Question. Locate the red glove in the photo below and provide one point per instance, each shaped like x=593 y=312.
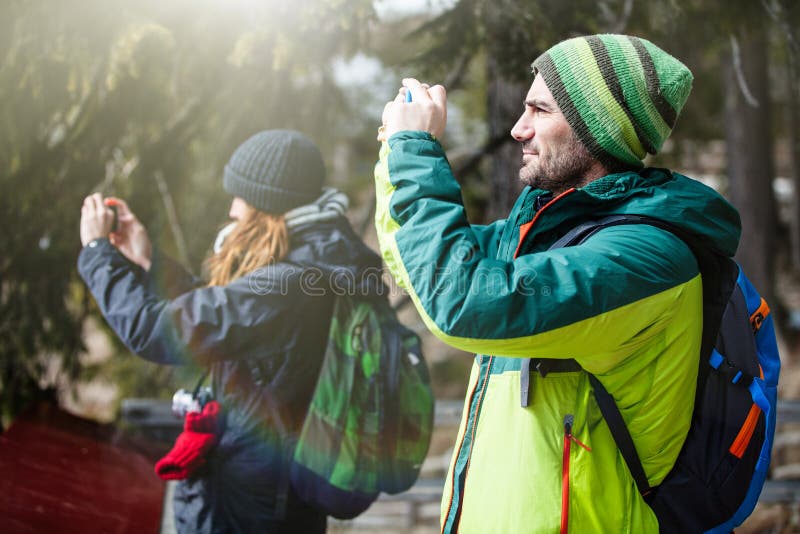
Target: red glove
x=193 y=444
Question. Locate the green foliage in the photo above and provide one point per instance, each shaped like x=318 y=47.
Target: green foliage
x=109 y=95
x=514 y=32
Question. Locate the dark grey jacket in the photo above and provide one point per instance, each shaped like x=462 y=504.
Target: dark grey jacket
x=263 y=336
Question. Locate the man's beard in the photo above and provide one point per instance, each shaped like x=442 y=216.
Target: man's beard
x=559 y=170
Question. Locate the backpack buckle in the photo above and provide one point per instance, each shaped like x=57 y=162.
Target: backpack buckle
x=729 y=369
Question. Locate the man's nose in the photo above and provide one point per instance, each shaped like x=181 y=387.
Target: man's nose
x=522 y=130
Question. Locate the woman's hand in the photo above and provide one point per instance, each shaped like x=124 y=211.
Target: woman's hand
x=131 y=236
x=96 y=219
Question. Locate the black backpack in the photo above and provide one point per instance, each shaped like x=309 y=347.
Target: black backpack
x=717 y=478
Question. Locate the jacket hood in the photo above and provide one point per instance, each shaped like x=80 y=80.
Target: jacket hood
x=324 y=245
x=658 y=193
x=332 y=251
x=683 y=202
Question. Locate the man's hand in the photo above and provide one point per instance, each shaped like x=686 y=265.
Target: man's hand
x=131 y=236
x=427 y=110
x=96 y=219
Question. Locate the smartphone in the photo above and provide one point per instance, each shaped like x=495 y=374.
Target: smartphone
x=113 y=208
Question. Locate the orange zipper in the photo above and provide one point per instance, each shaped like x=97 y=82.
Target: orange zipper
x=568 y=439
x=746 y=432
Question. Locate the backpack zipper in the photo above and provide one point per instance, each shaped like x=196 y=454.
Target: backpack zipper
x=569 y=420
x=746 y=432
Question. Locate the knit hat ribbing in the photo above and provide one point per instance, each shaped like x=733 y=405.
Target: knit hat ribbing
x=275 y=171
x=621 y=95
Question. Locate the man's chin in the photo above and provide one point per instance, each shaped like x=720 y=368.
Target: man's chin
x=527 y=177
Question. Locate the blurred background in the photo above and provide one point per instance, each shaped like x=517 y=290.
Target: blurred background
x=146 y=100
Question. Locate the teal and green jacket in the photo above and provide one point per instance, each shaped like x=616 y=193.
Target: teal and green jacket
x=626 y=304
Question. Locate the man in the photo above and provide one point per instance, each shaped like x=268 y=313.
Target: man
x=626 y=304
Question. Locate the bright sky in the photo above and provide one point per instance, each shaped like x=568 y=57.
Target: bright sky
x=393 y=8
x=361 y=69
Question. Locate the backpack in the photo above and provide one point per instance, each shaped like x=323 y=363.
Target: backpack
x=720 y=471
x=370 y=420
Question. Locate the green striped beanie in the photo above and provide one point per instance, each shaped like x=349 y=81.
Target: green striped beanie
x=621 y=95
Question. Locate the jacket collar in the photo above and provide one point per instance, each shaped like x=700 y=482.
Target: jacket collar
x=658 y=193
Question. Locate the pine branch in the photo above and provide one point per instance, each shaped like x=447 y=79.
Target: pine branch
x=489 y=148
x=172 y=217
x=778 y=15
x=369 y=214
x=622 y=21
x=740 y=78
x=456 y=75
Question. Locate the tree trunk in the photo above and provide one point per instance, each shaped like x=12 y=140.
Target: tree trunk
x=749 y=154
x=793 y=111
x=505 y=100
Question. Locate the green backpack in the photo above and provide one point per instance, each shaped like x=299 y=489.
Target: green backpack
x=369 y=423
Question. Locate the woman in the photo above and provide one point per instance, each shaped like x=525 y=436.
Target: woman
x=260 y=325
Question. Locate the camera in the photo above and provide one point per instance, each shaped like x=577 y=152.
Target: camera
x=184 y=401
x=115 y=223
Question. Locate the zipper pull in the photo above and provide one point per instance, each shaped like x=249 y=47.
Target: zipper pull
x=525 y=383
x=541 y=200
x=569 y=420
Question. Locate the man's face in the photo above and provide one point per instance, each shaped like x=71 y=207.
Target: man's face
x=552 y=156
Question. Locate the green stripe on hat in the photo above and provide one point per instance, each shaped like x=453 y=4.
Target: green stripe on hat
x=605 y=62
x=546 y=67
x=573 y=64
x=634 y=89
x=675 y=79
x=596 y=81
x=653 y=83
x=621 y=95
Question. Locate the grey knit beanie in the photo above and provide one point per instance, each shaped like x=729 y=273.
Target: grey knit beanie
x=275 y=171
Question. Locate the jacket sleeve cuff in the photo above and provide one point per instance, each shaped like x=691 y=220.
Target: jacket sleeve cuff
x=94 y=243
x=101 y=254
x=405 y=135
x=92 y=254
